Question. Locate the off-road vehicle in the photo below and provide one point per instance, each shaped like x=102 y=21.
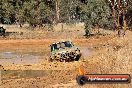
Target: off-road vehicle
x=64 y=51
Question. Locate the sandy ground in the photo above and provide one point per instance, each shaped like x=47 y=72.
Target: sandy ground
x=109 y=55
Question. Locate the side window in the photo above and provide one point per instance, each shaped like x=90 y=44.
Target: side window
x=51 y=48
x=68 y=44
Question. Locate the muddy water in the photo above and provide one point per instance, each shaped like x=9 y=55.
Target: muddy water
x=19 y=58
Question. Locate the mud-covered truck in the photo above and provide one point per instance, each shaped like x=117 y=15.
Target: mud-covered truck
x=64 y=51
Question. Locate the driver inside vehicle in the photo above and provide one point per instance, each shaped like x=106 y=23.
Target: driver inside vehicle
x=62 y=45
x=58 y=46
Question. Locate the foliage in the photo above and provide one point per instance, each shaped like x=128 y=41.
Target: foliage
x=129 y=15
x=7 y=11
x=31 y=11
x=69 y=11
x=39 y=12
x=95 y=12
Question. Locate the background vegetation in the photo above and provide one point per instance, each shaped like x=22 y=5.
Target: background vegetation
x=94 y=13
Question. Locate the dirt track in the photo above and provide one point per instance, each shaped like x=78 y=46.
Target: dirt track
x=110 y=54
x=42 y=45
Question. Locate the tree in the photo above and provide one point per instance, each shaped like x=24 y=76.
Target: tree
x=57 y=8
x=8 y=11
x=95 y=12
x=19 y=12
x=70 y=11
x=121 y=6
x=37 y=12
x=1 y=12
x=129 y=15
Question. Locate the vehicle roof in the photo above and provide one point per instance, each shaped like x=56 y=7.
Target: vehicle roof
x=60 y=42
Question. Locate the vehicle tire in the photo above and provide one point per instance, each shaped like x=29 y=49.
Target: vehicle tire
x=77 y=57
x=61 y=60
x=81 y=80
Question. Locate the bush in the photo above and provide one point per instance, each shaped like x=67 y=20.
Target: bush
x=96 y=12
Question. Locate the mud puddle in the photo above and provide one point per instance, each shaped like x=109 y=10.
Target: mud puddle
x=19 y=58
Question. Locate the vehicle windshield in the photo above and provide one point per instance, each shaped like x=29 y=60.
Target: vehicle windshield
x=61 y=45
x=68 y=44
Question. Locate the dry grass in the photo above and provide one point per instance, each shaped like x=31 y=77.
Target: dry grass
x=115 y=59
x=68 y=31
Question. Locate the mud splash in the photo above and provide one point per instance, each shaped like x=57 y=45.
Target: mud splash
x=86 y=51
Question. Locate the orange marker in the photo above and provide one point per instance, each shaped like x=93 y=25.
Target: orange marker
x=81 y=71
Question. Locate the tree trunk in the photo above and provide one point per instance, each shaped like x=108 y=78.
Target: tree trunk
x=113 y=10
x=125 y=11
x=57 y=2
x=114 y=14
x=125 y=25
x=119 y=14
